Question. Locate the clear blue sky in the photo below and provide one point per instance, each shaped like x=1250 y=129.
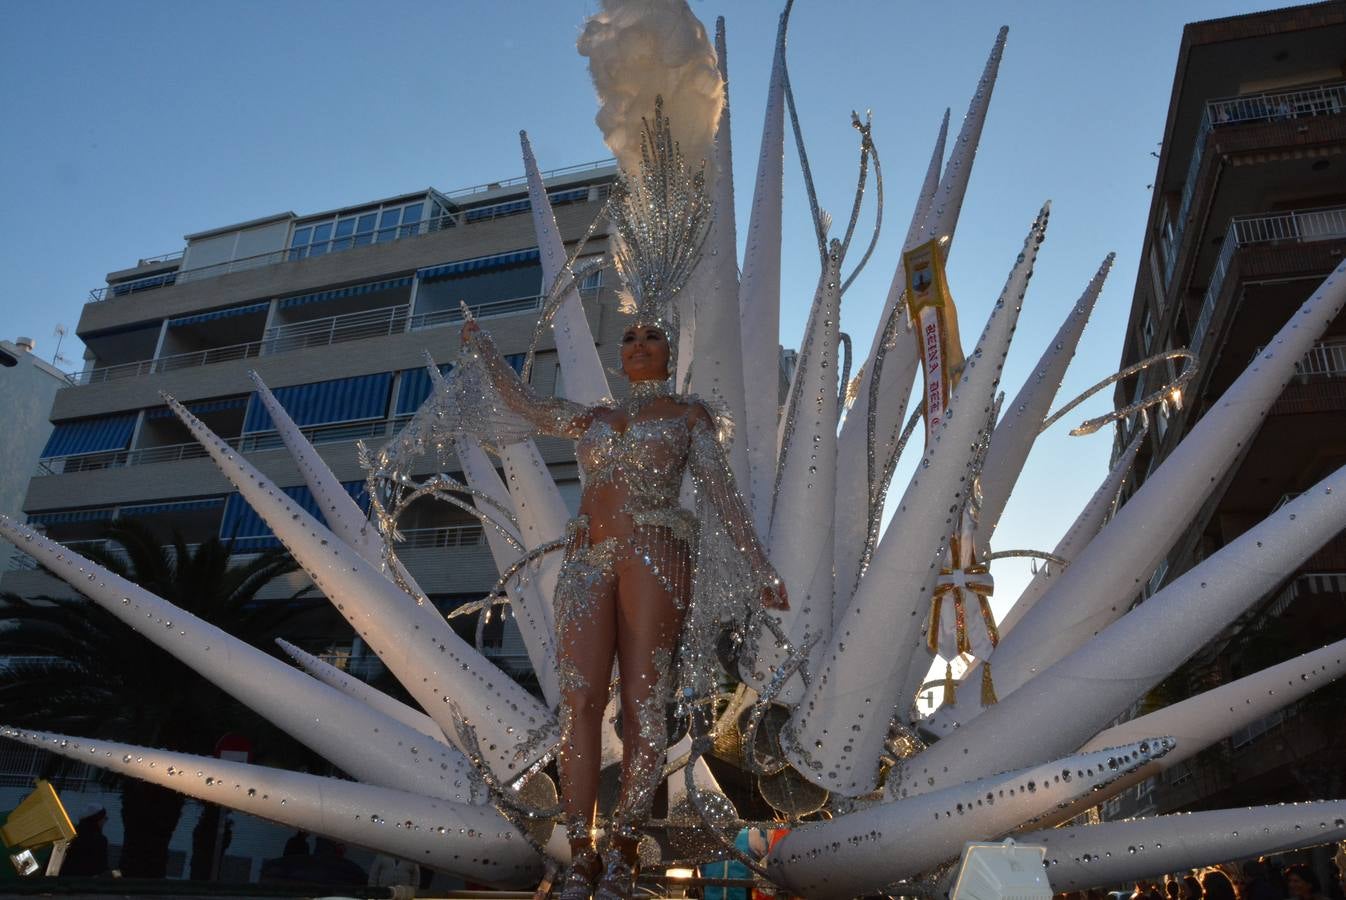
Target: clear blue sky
x=130 y=124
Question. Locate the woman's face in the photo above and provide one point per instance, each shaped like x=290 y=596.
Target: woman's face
x=645 y=353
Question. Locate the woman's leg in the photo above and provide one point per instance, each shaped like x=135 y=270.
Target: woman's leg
x=586 y=625
x=649 y=625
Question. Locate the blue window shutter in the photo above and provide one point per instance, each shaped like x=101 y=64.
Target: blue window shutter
x=201 y=406
x=415 y=388
x=250 y=532
x=325 y=402
x=464 y=266
x=91 y=435
x=353 y=290
x=149 y=509
x=229 y=313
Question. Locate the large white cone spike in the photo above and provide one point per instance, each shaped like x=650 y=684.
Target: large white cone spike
x=1080 y=532
x=942 y=219
x=1111 y=570
x=440 y=670
x=801 y=537
x=1214 y=715
x=835 y=736
x=1087 y=856
x=473 y=841
x=342 y=513
x=1016 y=432
x=531 y=593
x=759 y=301
x=357 y=739
x=851 y=528
x=584 y=381
x=536 y=501
x=1076 y=697
x=359 y=690
x=718 y=347
x=859 y=853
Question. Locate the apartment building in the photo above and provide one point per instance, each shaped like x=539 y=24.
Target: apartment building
x=335 y=310
x=28 y=385
x=1248 y=216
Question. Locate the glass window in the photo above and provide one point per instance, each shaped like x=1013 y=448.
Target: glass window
x=300 y=243
x=364 y=229
x=388 y=224
x=411 y=217
x=344 y=229
x=321 y=235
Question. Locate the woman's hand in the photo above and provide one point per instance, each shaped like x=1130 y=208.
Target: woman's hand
x=774 y=595
x=470 y=328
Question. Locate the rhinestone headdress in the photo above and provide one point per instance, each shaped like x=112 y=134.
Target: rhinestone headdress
x=661 y=216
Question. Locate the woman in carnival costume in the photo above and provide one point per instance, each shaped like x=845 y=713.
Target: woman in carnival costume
x=644 y=581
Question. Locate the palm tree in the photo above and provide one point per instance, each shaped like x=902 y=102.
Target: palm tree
x=83 y=671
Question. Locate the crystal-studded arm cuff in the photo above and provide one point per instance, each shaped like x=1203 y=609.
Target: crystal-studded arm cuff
x=552 y=416
x=715 y=480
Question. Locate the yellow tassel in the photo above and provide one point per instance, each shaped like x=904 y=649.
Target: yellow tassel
x=932 y=629
x=950 y=686
x=988 y=697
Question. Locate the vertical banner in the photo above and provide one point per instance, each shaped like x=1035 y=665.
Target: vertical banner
x=934 y=322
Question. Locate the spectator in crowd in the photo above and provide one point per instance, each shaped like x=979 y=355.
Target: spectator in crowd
x=1303 y=884
x=87 y=854
x=389 y=871
x=1258 y=884
x=297 y=845
x=1191 y=888
x=1217 y=886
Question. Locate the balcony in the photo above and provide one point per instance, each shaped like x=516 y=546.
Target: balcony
x=1302 y=226
x=456 y=218
x=470 y=535
x=313 y=333
x=1325 y=100
x=248 y=443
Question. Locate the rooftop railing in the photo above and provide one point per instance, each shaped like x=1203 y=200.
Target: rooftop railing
x=1324 y=100
x=523 y=179
x=345 y=242
x=1300 y=226
x=313 y=333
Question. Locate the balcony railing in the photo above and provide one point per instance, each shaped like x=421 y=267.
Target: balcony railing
x=248 y=443
x=1326 y=100
x=447 y=536
x=346 y=242
x=314 y=333
x=1301 y=226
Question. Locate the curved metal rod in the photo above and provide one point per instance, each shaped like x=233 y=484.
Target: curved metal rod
x=1028 y=554
x=878 y=199
x=498 y=590
x=1171 y=392
x=846 y=360
x=886 y=343
x=559 y=290
x=820 y=230
x=885 y=479
x=508 y=802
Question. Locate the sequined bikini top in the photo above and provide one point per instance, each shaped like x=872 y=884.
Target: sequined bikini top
x=648 y=458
